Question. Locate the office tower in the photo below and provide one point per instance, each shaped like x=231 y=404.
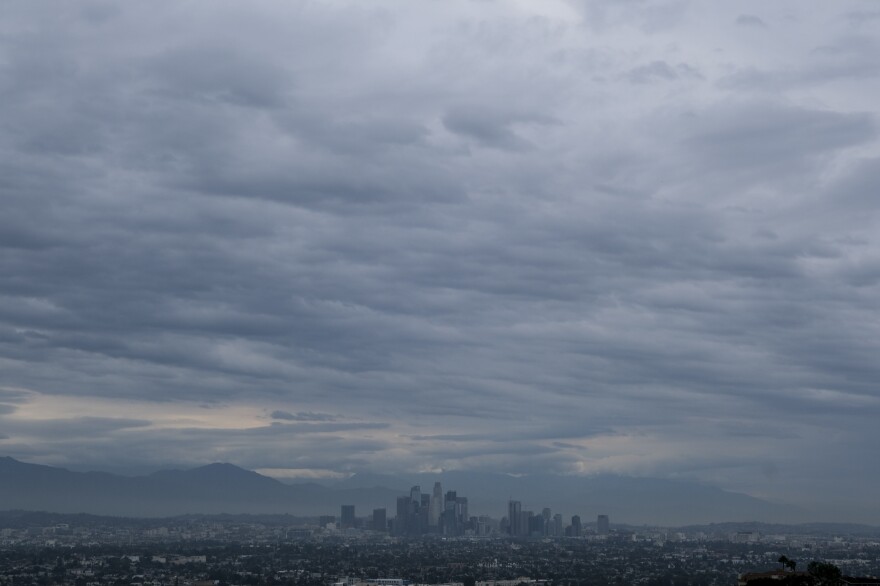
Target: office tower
x=576 y=529
x=448 y=519
x=536 y=525
x=547 y=516
x=557 y=525
x=436 y=506
x=413 y=527
x=380 y=523
x=325 y=520
x=424 y=514
x=513 y=517
x=347 y=517
x=483 y=526
x=401 y=521
x=525 y=523
x=603 y=526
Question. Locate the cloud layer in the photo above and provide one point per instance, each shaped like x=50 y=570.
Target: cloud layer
x=569 y=238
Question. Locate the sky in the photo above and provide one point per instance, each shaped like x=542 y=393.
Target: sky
x=557 y=237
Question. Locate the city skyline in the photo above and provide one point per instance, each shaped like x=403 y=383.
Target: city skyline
x=413 y=520
x=223 y=488
x=545 y=240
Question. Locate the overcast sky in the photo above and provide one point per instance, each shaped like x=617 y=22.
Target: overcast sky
x=526 y=237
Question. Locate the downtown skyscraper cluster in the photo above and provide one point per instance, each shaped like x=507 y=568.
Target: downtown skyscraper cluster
x=420 y=514
x=520 y=523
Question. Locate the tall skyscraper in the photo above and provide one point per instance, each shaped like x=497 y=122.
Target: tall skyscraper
x=525 y=523
x=380 y=523
x=436 y=506
x=514 y=508
x=603 y=525
x=347 y=517
x=576 y=528
x=536 y=525
x=417 y=511
x=401 y=521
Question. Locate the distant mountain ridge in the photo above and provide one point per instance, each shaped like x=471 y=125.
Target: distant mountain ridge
x=626 y=499
x=211 y=489
x=225 y=488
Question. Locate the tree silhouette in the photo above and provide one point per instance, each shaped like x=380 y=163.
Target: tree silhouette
x=784 y=561
x=826 y=574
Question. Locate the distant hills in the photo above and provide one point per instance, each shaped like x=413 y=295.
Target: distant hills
x=637 y=500
x=225 y=488
x=212 y=489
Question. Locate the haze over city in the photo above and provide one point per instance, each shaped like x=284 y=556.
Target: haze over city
x=528 y=239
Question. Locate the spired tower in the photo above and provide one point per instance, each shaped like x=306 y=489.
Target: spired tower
x=436 y=506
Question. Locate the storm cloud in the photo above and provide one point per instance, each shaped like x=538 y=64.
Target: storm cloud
x=573 y=238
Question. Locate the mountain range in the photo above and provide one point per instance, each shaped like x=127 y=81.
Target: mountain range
x=212 y=489
x=225 y=488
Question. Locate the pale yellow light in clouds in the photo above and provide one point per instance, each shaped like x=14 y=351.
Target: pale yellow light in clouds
x=36 y=406
x=301 y=473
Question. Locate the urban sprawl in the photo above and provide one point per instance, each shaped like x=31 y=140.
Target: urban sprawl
x=430 y=540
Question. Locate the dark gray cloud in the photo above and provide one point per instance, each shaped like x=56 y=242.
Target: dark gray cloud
x=750 y=20
x=301 y=416
x=569 y=238
x=492 y=127
x=71 y=428
x=662 y=71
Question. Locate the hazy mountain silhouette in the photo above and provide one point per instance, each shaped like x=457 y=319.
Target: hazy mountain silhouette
x=225 y=488
x=629 y=499
x=212 y=489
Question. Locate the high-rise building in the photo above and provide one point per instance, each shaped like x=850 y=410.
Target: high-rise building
x=380 y=523
x=415 y=513
x=449 y=523
x=514 y=508
x=603 y=525
x=347 y=517
x=536 y=525
x=576 y=528
x=557 y=525
x=525 y=523
x=436 y=505
x=401 y=521
x=325 y=520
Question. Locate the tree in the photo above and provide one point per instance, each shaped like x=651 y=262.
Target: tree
x=792 y=564
x=784 y=561
x=827 y=574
